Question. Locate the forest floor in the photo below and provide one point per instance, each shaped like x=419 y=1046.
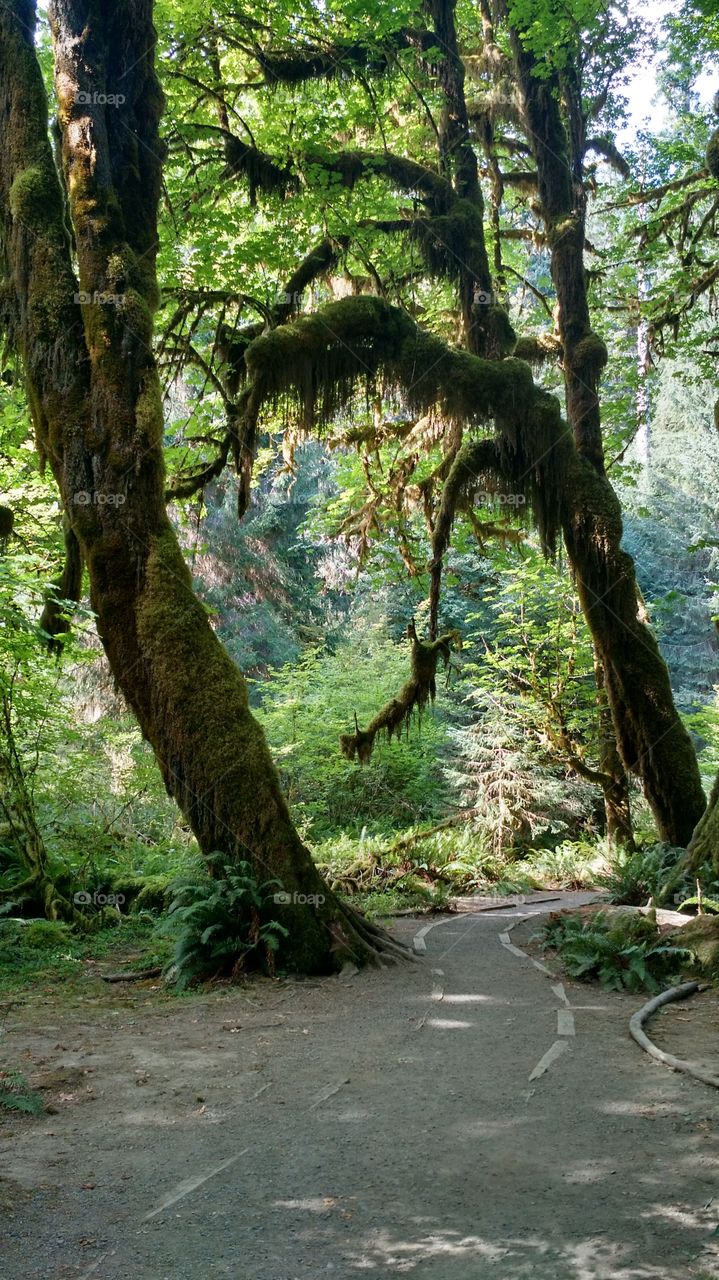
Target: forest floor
x=465 y=1116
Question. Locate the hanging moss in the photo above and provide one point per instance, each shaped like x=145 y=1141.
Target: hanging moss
x=321 y=361
x=66 y=589
x=503 y=339
x=537 y=350
x=450 y=242
x=262 y=172
x=420 y=689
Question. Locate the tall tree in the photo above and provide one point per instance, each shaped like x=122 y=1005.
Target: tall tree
x=548 y=119
x=85 y=345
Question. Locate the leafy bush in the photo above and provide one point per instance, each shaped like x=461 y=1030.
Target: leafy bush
x=45 y=935
x=572 y=865
x=218 y=926
x=622 y=951
x=634 y=878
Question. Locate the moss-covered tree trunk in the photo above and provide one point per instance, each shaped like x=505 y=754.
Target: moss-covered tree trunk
x=650 y=736
x=86 y=348
x=703 y=850
x=20 y=834
x=617 y=806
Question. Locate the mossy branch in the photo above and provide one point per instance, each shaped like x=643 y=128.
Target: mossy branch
x=345 y=58
x=607 y=148
x=262 y=172
x=420 y=689
x=321 y=361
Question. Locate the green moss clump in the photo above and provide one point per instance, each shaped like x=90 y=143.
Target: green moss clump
x=144 y=893
x=45 y=935
x=537 y=350
x=148 y=410
x=35 y=197
x=504 y=339
x=591 y=352
x=136 y=314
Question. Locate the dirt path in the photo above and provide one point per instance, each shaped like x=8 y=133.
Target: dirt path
x=380 y=1125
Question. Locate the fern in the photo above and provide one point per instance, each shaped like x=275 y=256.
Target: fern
x=218 y=924
x=17 y=1095
x=633 y=878
x=706 y=904
x=623 y=954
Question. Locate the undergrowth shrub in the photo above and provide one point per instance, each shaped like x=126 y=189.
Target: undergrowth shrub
x=220 y=924
x=621 y=951
x=17 y=1095
x=633 y=878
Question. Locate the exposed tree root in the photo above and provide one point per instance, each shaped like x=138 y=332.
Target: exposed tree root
x=377 y=947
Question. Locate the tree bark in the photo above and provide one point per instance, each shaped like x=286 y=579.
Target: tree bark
x=650 y=736
x=96 y=402
x=37 y=892
x=703 y=847
x=617 y=806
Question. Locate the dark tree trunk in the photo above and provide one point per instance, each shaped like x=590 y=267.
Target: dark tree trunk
x=703 y=848
x=617 y=807
x=96 y=402
x=19 y=831
x=652 y=740
x=650 y=736
x=459 y=165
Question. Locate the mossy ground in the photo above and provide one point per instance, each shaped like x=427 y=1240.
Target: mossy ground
x=69 y=967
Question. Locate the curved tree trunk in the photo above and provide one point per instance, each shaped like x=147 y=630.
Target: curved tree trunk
x=652 y=740
x=96 y=402
x=19 y=831
x=650 y=736
x=704 y=845
x=703 y=850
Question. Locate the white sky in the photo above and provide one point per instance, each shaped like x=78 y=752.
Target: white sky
x=645 y=110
